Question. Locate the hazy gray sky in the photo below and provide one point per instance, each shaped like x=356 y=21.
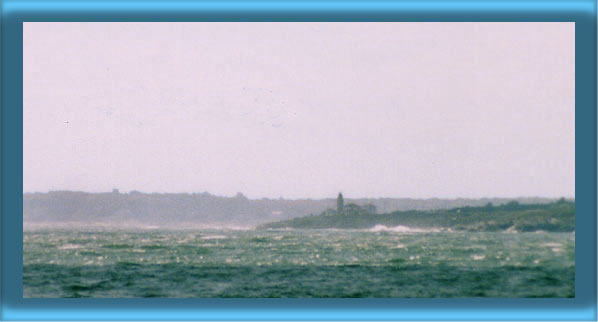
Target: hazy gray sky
x=301 y=109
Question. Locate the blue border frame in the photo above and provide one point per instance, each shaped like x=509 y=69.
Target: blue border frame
x=14 y=307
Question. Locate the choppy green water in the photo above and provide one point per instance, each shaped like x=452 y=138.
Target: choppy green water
x=296 y=263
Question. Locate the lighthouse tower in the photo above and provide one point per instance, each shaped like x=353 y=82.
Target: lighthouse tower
x=340 y=204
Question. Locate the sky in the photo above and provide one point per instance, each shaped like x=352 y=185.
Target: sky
x=301 y=110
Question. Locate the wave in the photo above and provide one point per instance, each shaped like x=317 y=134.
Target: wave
x=27 y=226
x=70 y=246
x=221 y=227
x=377 y=228
x=402 y=229
x=552 y=245
x=88 y=226
x=213 y=237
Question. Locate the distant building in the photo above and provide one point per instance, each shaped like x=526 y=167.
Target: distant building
x=340 y=204
x=115 y=190
x=354 y=210
x=349 y=209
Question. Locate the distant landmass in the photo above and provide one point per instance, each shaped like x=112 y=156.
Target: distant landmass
x=513 y=216
x=180 y=209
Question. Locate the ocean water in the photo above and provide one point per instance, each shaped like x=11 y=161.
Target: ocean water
x=378 y=262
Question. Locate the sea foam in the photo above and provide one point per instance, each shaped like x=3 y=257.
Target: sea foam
x=402 y=229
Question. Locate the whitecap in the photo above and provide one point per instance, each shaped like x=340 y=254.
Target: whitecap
x=511 y=230
x=552 y=245
x=213 y=237
x=402 y=229
x=217 y=227
x=70 y=246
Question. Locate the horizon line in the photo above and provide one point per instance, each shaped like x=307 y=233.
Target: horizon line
x=242 y=195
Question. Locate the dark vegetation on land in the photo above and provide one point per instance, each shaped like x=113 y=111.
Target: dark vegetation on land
x=176 y=209
x=554 y=217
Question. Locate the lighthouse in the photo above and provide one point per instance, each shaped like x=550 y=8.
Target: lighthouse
x=339 y=204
